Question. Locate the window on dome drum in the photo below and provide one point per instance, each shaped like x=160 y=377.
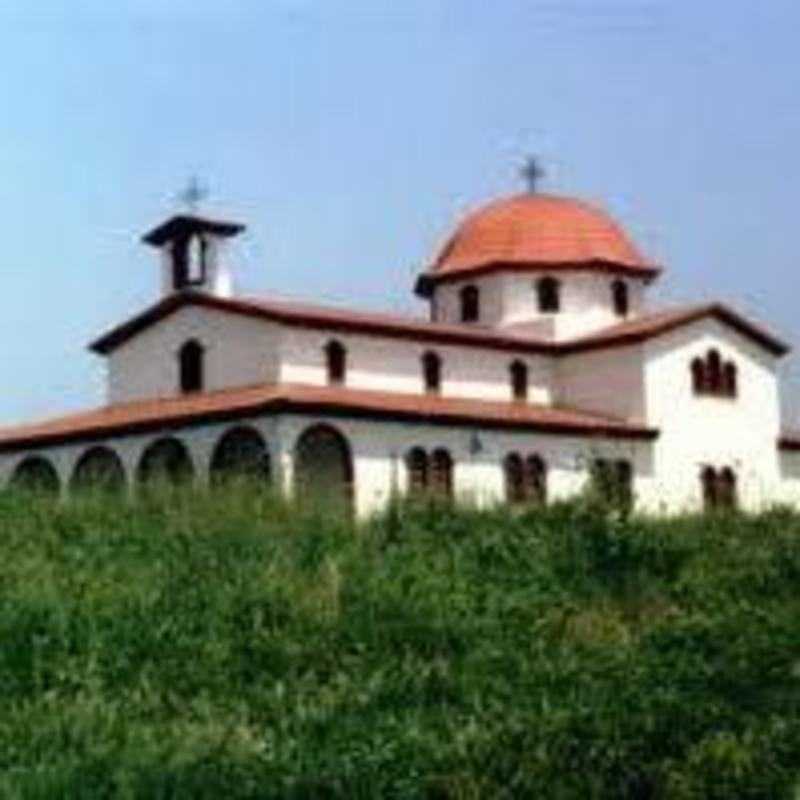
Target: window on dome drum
x=619 y=294
x=336 y=358
x=191 y=367
x=470 y=304
x=718 y=489
x=613 y=480
x=548 y=292
x=710 y=376
x=519 y=380
x=432 y=372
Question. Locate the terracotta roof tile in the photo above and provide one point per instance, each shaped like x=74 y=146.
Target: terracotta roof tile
x=164 y=413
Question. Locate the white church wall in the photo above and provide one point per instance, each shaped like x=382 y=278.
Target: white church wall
x=238 y=351
x=740 y=432
x=395 y=365
x=605 y=381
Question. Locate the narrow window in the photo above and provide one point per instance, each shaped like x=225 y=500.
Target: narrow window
x=548 y=293
x=519 y=380
x=708 y=485
x=432 y=372
x=619 y=294
x=536 y=480
x=441 y=481
x=180 y=263
x=196 y=268
x=698 y=376
x=336 y=357
x=729 y=380
x=726 y=489
x=714 y=372
x=624 y=484
x=191 y=367
x=470 y=304
x=417 y=466
x=515 y=479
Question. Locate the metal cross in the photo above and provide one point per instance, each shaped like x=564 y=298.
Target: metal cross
x=193 y=194
x=532 y=172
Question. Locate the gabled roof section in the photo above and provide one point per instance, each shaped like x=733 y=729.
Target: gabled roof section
x=165 y=413
x=649 y=326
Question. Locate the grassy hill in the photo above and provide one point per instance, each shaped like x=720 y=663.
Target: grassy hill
x=224 y=646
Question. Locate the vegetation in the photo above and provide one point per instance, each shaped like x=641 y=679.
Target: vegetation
x=223 y=645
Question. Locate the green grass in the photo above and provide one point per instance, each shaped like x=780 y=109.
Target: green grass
x=223 y=645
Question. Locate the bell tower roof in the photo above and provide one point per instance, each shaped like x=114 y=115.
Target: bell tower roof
x=183 y=226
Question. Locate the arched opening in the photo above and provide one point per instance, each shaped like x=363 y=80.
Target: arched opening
x=241 y=455
x=191 y=366
x=432 y=372
x=708 y=486
x=536 y=480
x=417 y=467
x=729 y=380
x=726 y=489
x=336 y=358
x=323 y=468
x=519 y=380
x=624 y=484
x=98 y=469
x=698 y=376
x=37 y=475
x=714 y=372
x=165 y=462
x=441 y=482
x=614 y=482
x=548 y=292
x=470 y=304
x=515 y=479
x=619 y=295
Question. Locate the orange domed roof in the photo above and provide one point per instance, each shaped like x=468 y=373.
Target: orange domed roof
x=538 y=231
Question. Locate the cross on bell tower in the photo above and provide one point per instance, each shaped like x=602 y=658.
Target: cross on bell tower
x=194 y=193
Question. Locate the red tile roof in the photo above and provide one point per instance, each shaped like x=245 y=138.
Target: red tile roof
x=542 y=231
x=164 y=413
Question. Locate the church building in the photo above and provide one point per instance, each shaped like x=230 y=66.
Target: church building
x=540 y=364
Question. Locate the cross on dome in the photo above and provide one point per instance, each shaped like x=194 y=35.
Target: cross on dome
x=532 y=171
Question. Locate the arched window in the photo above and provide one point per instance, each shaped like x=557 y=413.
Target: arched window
x=417 y=466
x=726 y=489
x=619 y=295
x=614 y=482
x=336 y=358
x=624 y=484
x=191 y=366
x=240 y=455
x=99 y=469
x=441 y=476
x=713 y=372
x=470 y=304
x=323 y=469
x=432 y=372
x=708 y=485
x=698 y=376
x=35 y=474
x=515 y=478
x=536 y=480
x=729 y=380
x=519 y=380
x=548 y=292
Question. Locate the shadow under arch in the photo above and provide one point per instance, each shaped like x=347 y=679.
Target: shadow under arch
x=35 y=474
x=323 y=468
x=100 y=469
x=241 y=454
x=166 y=461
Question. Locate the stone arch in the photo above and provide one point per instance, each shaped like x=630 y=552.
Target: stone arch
x=167 y=461
x=323 y=467
x=35 y=474
x=240 y=454
x=99 y=468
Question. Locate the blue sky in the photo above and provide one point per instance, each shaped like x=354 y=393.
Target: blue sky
x=350 y=137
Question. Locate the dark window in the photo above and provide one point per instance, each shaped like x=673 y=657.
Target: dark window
x=536 y=480
x=714 y=372
x=710 y=376
x=189 y=260
x=519 y=380
x=726 y=489
x=515 y=479
x=614 y=482
x=241 y=455
x=708 y=481
x=729 y=387
x=619 y=293
x=548 y=293
x=336 y=357
x=417 y=465
x=432 y=372
x=323 y=470
x=698 y=376
x=191 y=367
x=470 y=304
x=441 y=476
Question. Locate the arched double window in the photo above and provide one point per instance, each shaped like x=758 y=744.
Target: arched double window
x=432 y=372
x=519 y=380
x=710 y=376
x=526 y=479
x=430 y=474
x=336 y=362
x=718 y=487
x=614 y=482
x=470 y=303
x=619 y=297
x=548 y=294
x=191 y=366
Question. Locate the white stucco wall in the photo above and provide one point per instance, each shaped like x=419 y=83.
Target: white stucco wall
x=740 y=432
x=238 y=351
